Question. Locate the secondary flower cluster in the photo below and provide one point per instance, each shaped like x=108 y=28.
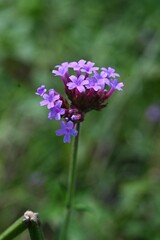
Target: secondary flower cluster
x=87 y=88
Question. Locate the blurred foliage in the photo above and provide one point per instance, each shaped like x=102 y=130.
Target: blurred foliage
x=117 y=192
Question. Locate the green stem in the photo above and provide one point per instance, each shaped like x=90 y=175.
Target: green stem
x=71 y=186
x=35 y=230
x=14 y=230
x=29 y=221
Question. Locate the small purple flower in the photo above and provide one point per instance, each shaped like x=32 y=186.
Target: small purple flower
x=78 y=83
x=56 y=111
x=41 y=90
x=93 y=83
x=98 y=81
x=49 y=99
x=77 y=65
x=67 y=129
x=116 y=85
x=62 y=69
x=76 y=117
x=110 y=72
x=88 y=67
x=101 y=79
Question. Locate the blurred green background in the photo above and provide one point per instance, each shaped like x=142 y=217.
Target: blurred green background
x=118 y=183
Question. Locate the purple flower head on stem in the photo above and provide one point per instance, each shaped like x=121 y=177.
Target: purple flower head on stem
x=110 y=72
x=78 y=83
x=67 y=129
x=49 y=99
x=41 y=90
x=87 y=89
x=62 y=69
x=56 y=111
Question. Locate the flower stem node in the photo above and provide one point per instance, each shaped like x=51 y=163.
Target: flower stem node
x=30 y=216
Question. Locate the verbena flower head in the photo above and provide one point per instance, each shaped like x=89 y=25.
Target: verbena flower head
x=87 y=88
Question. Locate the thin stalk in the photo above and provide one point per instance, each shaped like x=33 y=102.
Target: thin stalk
x=71 y=186
x=14 y=230
x=35 y=230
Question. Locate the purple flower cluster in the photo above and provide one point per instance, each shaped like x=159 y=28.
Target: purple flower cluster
x=87 y=89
